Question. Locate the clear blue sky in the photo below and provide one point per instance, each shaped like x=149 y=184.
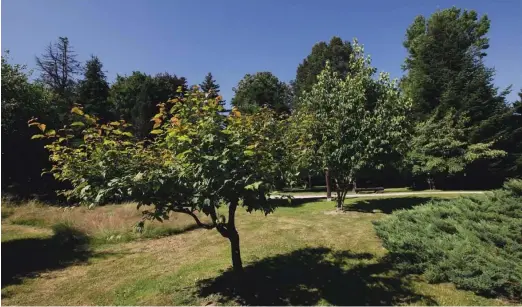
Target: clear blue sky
x=233 y=37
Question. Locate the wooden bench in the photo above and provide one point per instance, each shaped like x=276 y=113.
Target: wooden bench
x=375 y=190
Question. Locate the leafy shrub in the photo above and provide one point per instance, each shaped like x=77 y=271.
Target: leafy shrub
x=474 y=242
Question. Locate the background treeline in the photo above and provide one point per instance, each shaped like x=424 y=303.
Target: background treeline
x=457 y=110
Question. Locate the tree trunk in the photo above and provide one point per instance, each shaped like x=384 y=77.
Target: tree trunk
x=237 y=264
x=233 y=236
x=328 y=189
x=310 y=182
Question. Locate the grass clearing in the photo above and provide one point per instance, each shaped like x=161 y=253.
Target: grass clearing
x=302 y=255
x=321 y=190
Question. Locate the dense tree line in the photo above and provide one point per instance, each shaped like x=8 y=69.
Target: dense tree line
x=63 y=83
x=463 y=129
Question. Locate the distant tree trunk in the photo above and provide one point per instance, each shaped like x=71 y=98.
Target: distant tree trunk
x=310 y=182
x=328 y=189
x=354 y=186
x=233 y=236
x=339 y=200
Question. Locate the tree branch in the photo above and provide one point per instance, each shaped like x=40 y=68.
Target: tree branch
x=223 y=230
x=195 y=217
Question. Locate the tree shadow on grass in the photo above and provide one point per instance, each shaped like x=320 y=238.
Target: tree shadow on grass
x=306 y=276
x=386 y=205
x=27 y=257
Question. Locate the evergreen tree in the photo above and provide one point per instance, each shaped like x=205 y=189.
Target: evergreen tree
x=445 y=67
x=446 y=74
x=210 y=86
x=93 y=90
x=135 y=97
x=337 y=53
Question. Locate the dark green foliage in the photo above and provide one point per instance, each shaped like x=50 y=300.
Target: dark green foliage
x=474 y=242
x=445 y=64
x=260 y=89
x=23 y=159
x=134 y=98
x=507 y=129
x=446 y=74
x=93 y=90
x=336 y=52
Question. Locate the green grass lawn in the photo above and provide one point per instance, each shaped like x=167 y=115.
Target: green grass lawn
x=321 y=190
x=303 y=254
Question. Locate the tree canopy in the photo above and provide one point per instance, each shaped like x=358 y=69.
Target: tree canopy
x=447 y=79
x=134 y=98
x=350 y=131
x=262 y=89
x=336 y=52
x=198 y=161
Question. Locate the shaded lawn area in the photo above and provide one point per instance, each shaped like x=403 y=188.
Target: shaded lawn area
x=300 y=255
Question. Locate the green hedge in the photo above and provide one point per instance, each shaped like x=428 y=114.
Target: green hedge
x=474 y=242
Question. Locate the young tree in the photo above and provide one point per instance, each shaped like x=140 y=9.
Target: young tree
x=59 y=67
x=93 y=91
x=336 y=52
x=198 y=162
x=352 y=128
x=262 y=89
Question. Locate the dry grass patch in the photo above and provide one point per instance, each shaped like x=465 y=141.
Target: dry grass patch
x=104 y=224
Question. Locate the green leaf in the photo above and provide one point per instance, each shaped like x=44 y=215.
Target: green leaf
x=183 y=138
x=51 y=132
x=253 y=186
x=37 y=136
x=156 y=131
x=114 y=123
x=127 y=134
x=77 y=110
x=77 y=124
x=248 y=153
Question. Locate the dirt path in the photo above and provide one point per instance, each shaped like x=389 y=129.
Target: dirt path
x=311 y=196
